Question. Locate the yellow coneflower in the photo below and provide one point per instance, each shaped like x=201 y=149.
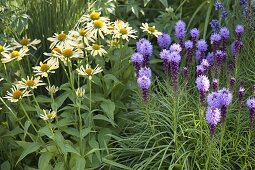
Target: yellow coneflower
x=14 y=55
x=98 y=28
x=5 y=48
x=91 y=17
x=69 y=53
x=45 y=68
x=61 y=40
x=30 y=83
x=48 y=114
x=88 y=71
x=150 y=29
x=16 y=94
x=25 y=43
x=123 y=31
x=82 y=37
x=96 y=49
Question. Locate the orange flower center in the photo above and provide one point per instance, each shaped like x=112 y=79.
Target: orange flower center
x=123 y=31
x=45 y=67
x=96 y=46
x=17 y=94
x=1 y=48
x=24 y=42
x=89 y=71
x=30 y=83
x=151 y=29
x=82 y=32
x=94 y=16
x=56 y=50
x=67 y=52
x=61 y=37
x=14 y=54
x=98 y=24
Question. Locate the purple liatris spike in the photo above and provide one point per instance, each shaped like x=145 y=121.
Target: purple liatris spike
x=224 y=14
x=251 y=106
x=210 y=58
x=200 y=70
x=137 y=59
x=215 y=25
x=185 y=72
x=165 y=56
x=239 y=31
x=164 y=41
x=180 y=31
x=145 y=48
x=198 y=56
x=189 y=49
x=218 y=5
x=194 y=33
x=202 y=47
x=224 y=33
x=213 y=118
x=145 y=71
x=241 y=95
x=215 y=41
x=236 y=47
x=205 y=64
x=220 y=57
x=174 y=60
x=215 y=85
x=203 y=85
x=213 y=100
x=232 y=83
x=225 y=99
x=144 y=83
x=175 y=48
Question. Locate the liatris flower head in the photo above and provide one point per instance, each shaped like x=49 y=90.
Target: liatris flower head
x=203 y=85
x=251 y=106
x=226 y=96
x=243 y=2
x=144 y=47
x=215 y=38
x=199 y=57
x=137 y=59
x=213 y=100
x=144 y=83
x=220 y=57
x=224 y=14
x=239 y=29
x=164 y=41
x=232 y=82
x=210 y=58
x=218 y=6
x=241 y=95
x=215 y=25
x=145 y=71
x=205 y=64
x=180 y=29
x=202 y=45
x=188 y=44
x=175 y=48
x=213 y=118
x=194 y=33
x=215 y=85
x=224 y=32
x=189 y=47
x=165 y=56
x=200 y=70
x=236 y=47
x=174 y=61
x=175 y=57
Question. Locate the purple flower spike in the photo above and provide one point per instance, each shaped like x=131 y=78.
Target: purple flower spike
x=185 y=73
x=164 y=41
x=137 y=59
x=251 y=106
x=194 y=33
x=232 y=83
x=218 y=6
x=175 y=48
x=145 y=71
x=200 y=70
x=224 y=14
x=210 y=58
x=215 y=25
x=243 y=2
x=213 y=100
x=203 y=85
x=215 y=41
x=241 y=95
x=189 y=49
x=224 y=33
x=215 y=85
x=144 y=83
x=220 y=57
x=202 y=45
x=213 y=118
x=180 y=31
x=205 y=64
x=239 y=31
x=165 y=56
x=145 y=48
x=174 y=60
x=225 y=99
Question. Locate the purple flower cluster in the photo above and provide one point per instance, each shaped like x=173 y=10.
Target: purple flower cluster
x=224 y=33
x=189 y=49
x=220 y=7
x=164 y=41
x=203 y=85
x=145 y=48
x=215 y=25
x=213 y=118
x=180 y=31
x=144 y=83
x=251 y=106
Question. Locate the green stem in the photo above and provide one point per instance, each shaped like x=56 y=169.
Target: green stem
x=80 y=126
x=25 y=112
x=221 y=138
x=248 y=146
x=51 y=94
x=90 y=104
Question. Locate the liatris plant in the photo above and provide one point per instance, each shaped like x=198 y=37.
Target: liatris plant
x=210 y=58
x=241 y=95
x=205 y=64
x=180 y=31
x=145 y=48
x=185 y=72
x=165 y=55
x=144 y=83
x=189 y=49
x=213 y=100
x=145 y=71
x=232 y=83
x=202 y=47
x=213 y=118
x=175 y=48
x=238 y=43
x=215 y=25
x=251 y=106
x=194 y=33
x=137 y=59
x=200 y=70
x=215 y=41
x=174 y=61
x=224 y=33
x=225 y=100
x=203 y=85
x=164 y=41
x=215 y=85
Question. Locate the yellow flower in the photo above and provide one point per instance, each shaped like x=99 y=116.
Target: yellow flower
x=45 y=68
x=91 y=17
x=14 y=55
x=98 y=28
x=25 y=43
x=82 y=37
x=88 y=71
x=61 y=40
x=48 y=114
x=96 y=49
x=123 y=31
x=69 y=53
x=150 y=29
x=30 y=82
x=16 y=94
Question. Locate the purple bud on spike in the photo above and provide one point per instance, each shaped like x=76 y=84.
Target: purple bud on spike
x=241 y=95
x=232 y=83
x=213 y=118
x=215 y=85
x=251 y=106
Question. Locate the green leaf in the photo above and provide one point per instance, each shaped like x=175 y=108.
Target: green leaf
x=14 y=132
x=165 y=3
x=46 y=131
x=59 y=166
x=44 y=161
x=60 y=100
x=79 y=164
x=70 y=149
x=112 y=163
x=103 y=117
x=6 y=165
x=43 y=99
x=72 y=131
x=86 y=131
x=27 y=124
x=30 y=149
x=108 y=107
x=146 y=2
